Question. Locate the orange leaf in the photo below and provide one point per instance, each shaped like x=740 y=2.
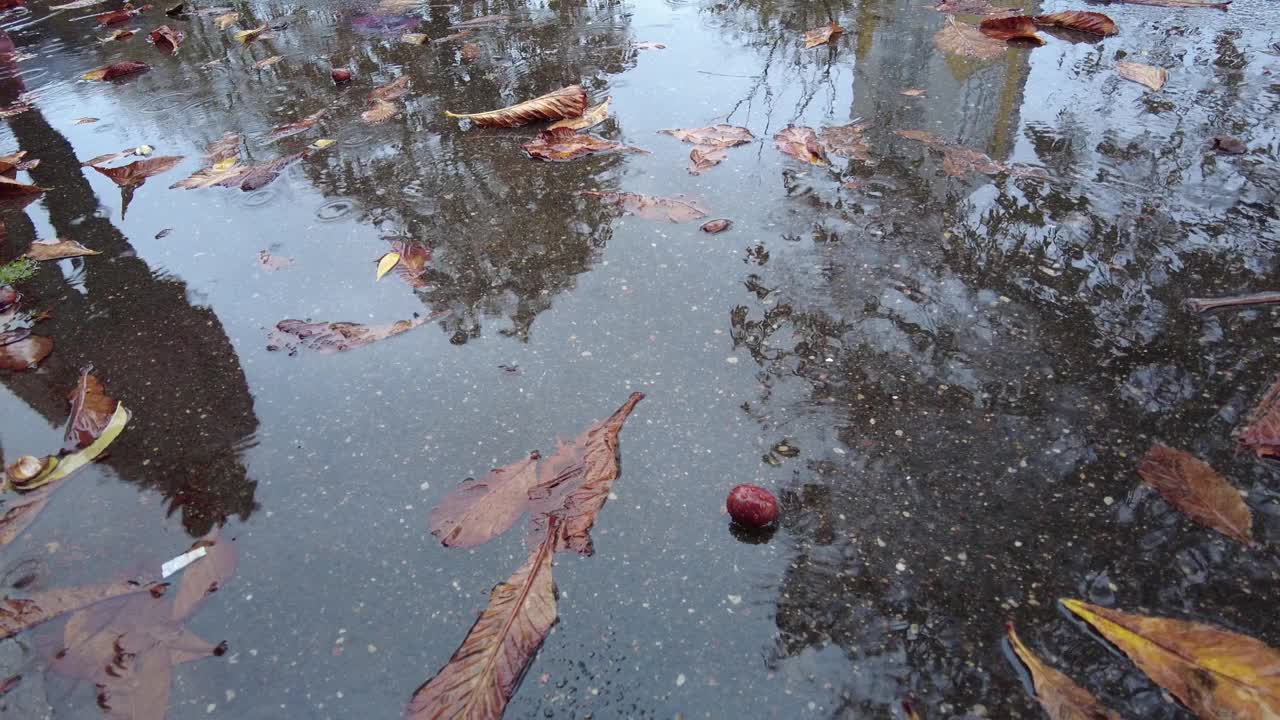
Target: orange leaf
x=379 y=112
x=705 y=157
x=821 y=36
x=135 y=173
x=559 y=104
x=1197 y=491
x=91 y=410
x=1019 y=27
x=392 y=90
x=1062 y=699
x=1089 y=22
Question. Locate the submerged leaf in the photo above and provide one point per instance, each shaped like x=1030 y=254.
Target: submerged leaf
x=712 y=227
x=563 y=144
x=379 y=112
x=226 y=20
x=1061 y=698
x=1214 y=672
x=1198 y=491
x=845 y=141
x=271 y=263
x=25 y=354
x=328 y=338
x=91 y=411
x=166 y=39
x=589 y=119
x=722 y=135
x=228 y=146
x=566 y=102
x=120 y=69
x=801 y=143
x=479 y=510
x=703 y=158
x=821 y=36
x=280 y=132
x=12 y=188
x=57 y=250
x=964 y=40
x=1089 y=22
x=392 y=90
x=650 y=207
x=1019 y=27
x=1262 y=434
x=136 y=173
x=1149 y=75
x=17 y=615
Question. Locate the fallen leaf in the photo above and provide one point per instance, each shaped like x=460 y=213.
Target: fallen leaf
x=821 y=36
x=340 y=75
x=271 y=263
x=477 y=511
x=265 y=63
x=801 y=143
x=1094 y=23
x=652 y=208
x=177 y=10
x=575 y=481
x=85 y=120
x=1149 y=75
x=109 y=157
x=379 y=112
x=1262 y=434
x=469 y=52
x=78 y=4
x=1186 y=4
x=57 y=250
x=1206 y=304
x=91 y=411
x=386 y=263
x=589 y=119
x=120 y=69
x=1061 y=698
x=248 y=36
x=964 y=40
x=17 y=615
x=225 y=147
x=166 y=39
x=11 y=163
x=1215 y=673
x=1227 y=144
x=329 y=338
x=163 y=233
x=392 y=90
x=321 y=143
x=648 y=45
x=566 y=102
x=227 y=20
x=1197 y=491
x=960 y=161
x=414 y=257
x=487 y=668
x=913 y=92
x=721 y=135
x=910 y=712
x=703 y=158
x=971 y=7
x=414 y=39
x=228 y=173
x=25 y=354
x=118 y=36
x=12 y=681
x=1019 y=27
x=716 y=226
x=137 y=172
x=845 y=141
x=564 y=144
x=124 y=14
x=280 y=132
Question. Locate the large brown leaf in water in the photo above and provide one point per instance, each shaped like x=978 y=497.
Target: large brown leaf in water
x=821 y=36
x=26 y=353
x=486 y=669
x=569 y=102
x=671 y=209
x=1197 y=491
x=562 y=144
x=18 y=614
x=720 y=135
x=574 y=482
x=327 y=338
x=1061 y=698
x=1262 y=434
x=1217 y=674
x=57 y=250
x=1019 y=27
x=1094 y=23
x=480 y=510
x=91 y=410
x=137 y=172
x=965 y=40
x=801 y=143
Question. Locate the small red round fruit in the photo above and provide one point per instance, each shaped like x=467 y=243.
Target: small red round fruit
x=752 y=506
x=340 y=75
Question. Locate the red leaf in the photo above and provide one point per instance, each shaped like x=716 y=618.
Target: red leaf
x=283 y=131
x=1262 y=435
x=166 y=39
x=1019 y=27
x=25 y=354
x=91 y=410
x=124 y=14
x=480 y=510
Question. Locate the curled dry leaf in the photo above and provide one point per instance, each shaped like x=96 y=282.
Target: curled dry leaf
x=329 y=338
x=716 y=226
x=1019 y=27
x=1214 y=672
x=1197 y=491
x=563 y=144
x=226 y=20
x=964 y=40
x=589 y=119
x=703 y=158
x=479 y=510
x=379 y=112
x=17 y=615
x=1061 y=698
x=166 y=39
x=486 y=669
x=1094 y=23
x=1262 y=434
x=845 y=141
x=124 y=14
x=913 y=92
x=91 y=411
x=1149 y=75
x=25 y=354
x=721 y=135
x=801 y=143
x=117 y=70
x=57 y=250
x=340 y=75
x=821 y=36
x=137 y=172
x=650 y=207
x=566 y=102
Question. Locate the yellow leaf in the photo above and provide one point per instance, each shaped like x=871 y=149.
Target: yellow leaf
x=322 y=143
x=1217 y=674
x=143 y=150
x=388 y=261
x=248 y=36
x=1062 y=699
x=226 y=164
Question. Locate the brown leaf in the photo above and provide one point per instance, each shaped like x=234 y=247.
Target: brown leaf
x=227 y=20
x=166 y=39
x=118 y=36
x=20 y=512
x=414 y=257
x=109 y=157
x=960 y=161
x=86 y=120
x=137 y=172
x=845 y=141
x=469 y=52
x=725 y=136
x=574 y=482
x=716 y=226
x=1262 y=435
x=913 y=92
x=219 y=173
x=971 y=7
x=1061 y=698
x=479 y=510
x=91 y=410
x=964 y=40
x=228 y=146
x=265 y=63
x=821 y=36
x=379 y=112
x=392 y=90
x=205 y=577
x=124 y=14
x=25 y=354
x=120 y=69
x=673 y=210
x=801 y=143
x=271 y=263
x=17 y=615
x=280 y=132
x=1200 y=305
x=1197 y=491
x=486 y=669
x=257 y=176
x=703 y=158
x=1089 y=22
x=563 y=144
x=1217 y=674
x=1182 y=3
x=57 y=250
x=1019 y=27
x=566 y=102
x=648 y=45
x=9 y=163
x=12 y=188
x=1149 y=75
x=589 y=119
x=328 y=338
x=1227 y=144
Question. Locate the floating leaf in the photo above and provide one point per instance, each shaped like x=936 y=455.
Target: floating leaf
x=653 y=208
x=118 y=36
x=379 y=112
x=1019 y=27
x=1197 y=491
x=271 y=263
x=1149 y=75
x=589 y=119
x=9 y=163
x=228 y=146
x=716 y=226
x=964 y=40
x=845 y=141
x=91 y=411
x=801 y=143
x=1262 y=435
x=721 y=135
x=971 y=7
x=124 y=14
x=392 y=90
x=227 y=20
x=414 y=257
x=469 y=53
x=566 y=102
x=821 y=36
x=120 y=69
x=479 y=510
x=12 y=188
x=1061 y=698
x=1214 y=672
x=265 y=63
x=1228 y=145
x=78 y=4
x=221 y=172
x=280 y=132
x=25 y=354
x=17 y=615
x=913 y=92
x=328 y=338
x=486 y=669
x=386 y=263
x=248 y=36
x=227 y=173
x=564 y=144
x=166 y=39
x=109 y=157
x=57 y=250
x=702 y=158
x=321 y=143
x=1185 y=4
x=1094 y=23
x=137 y=172
x=85 y=120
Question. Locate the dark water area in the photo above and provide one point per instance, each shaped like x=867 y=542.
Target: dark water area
x=970 y=366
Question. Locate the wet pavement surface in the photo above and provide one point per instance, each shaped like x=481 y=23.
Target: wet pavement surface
x=969 y=365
